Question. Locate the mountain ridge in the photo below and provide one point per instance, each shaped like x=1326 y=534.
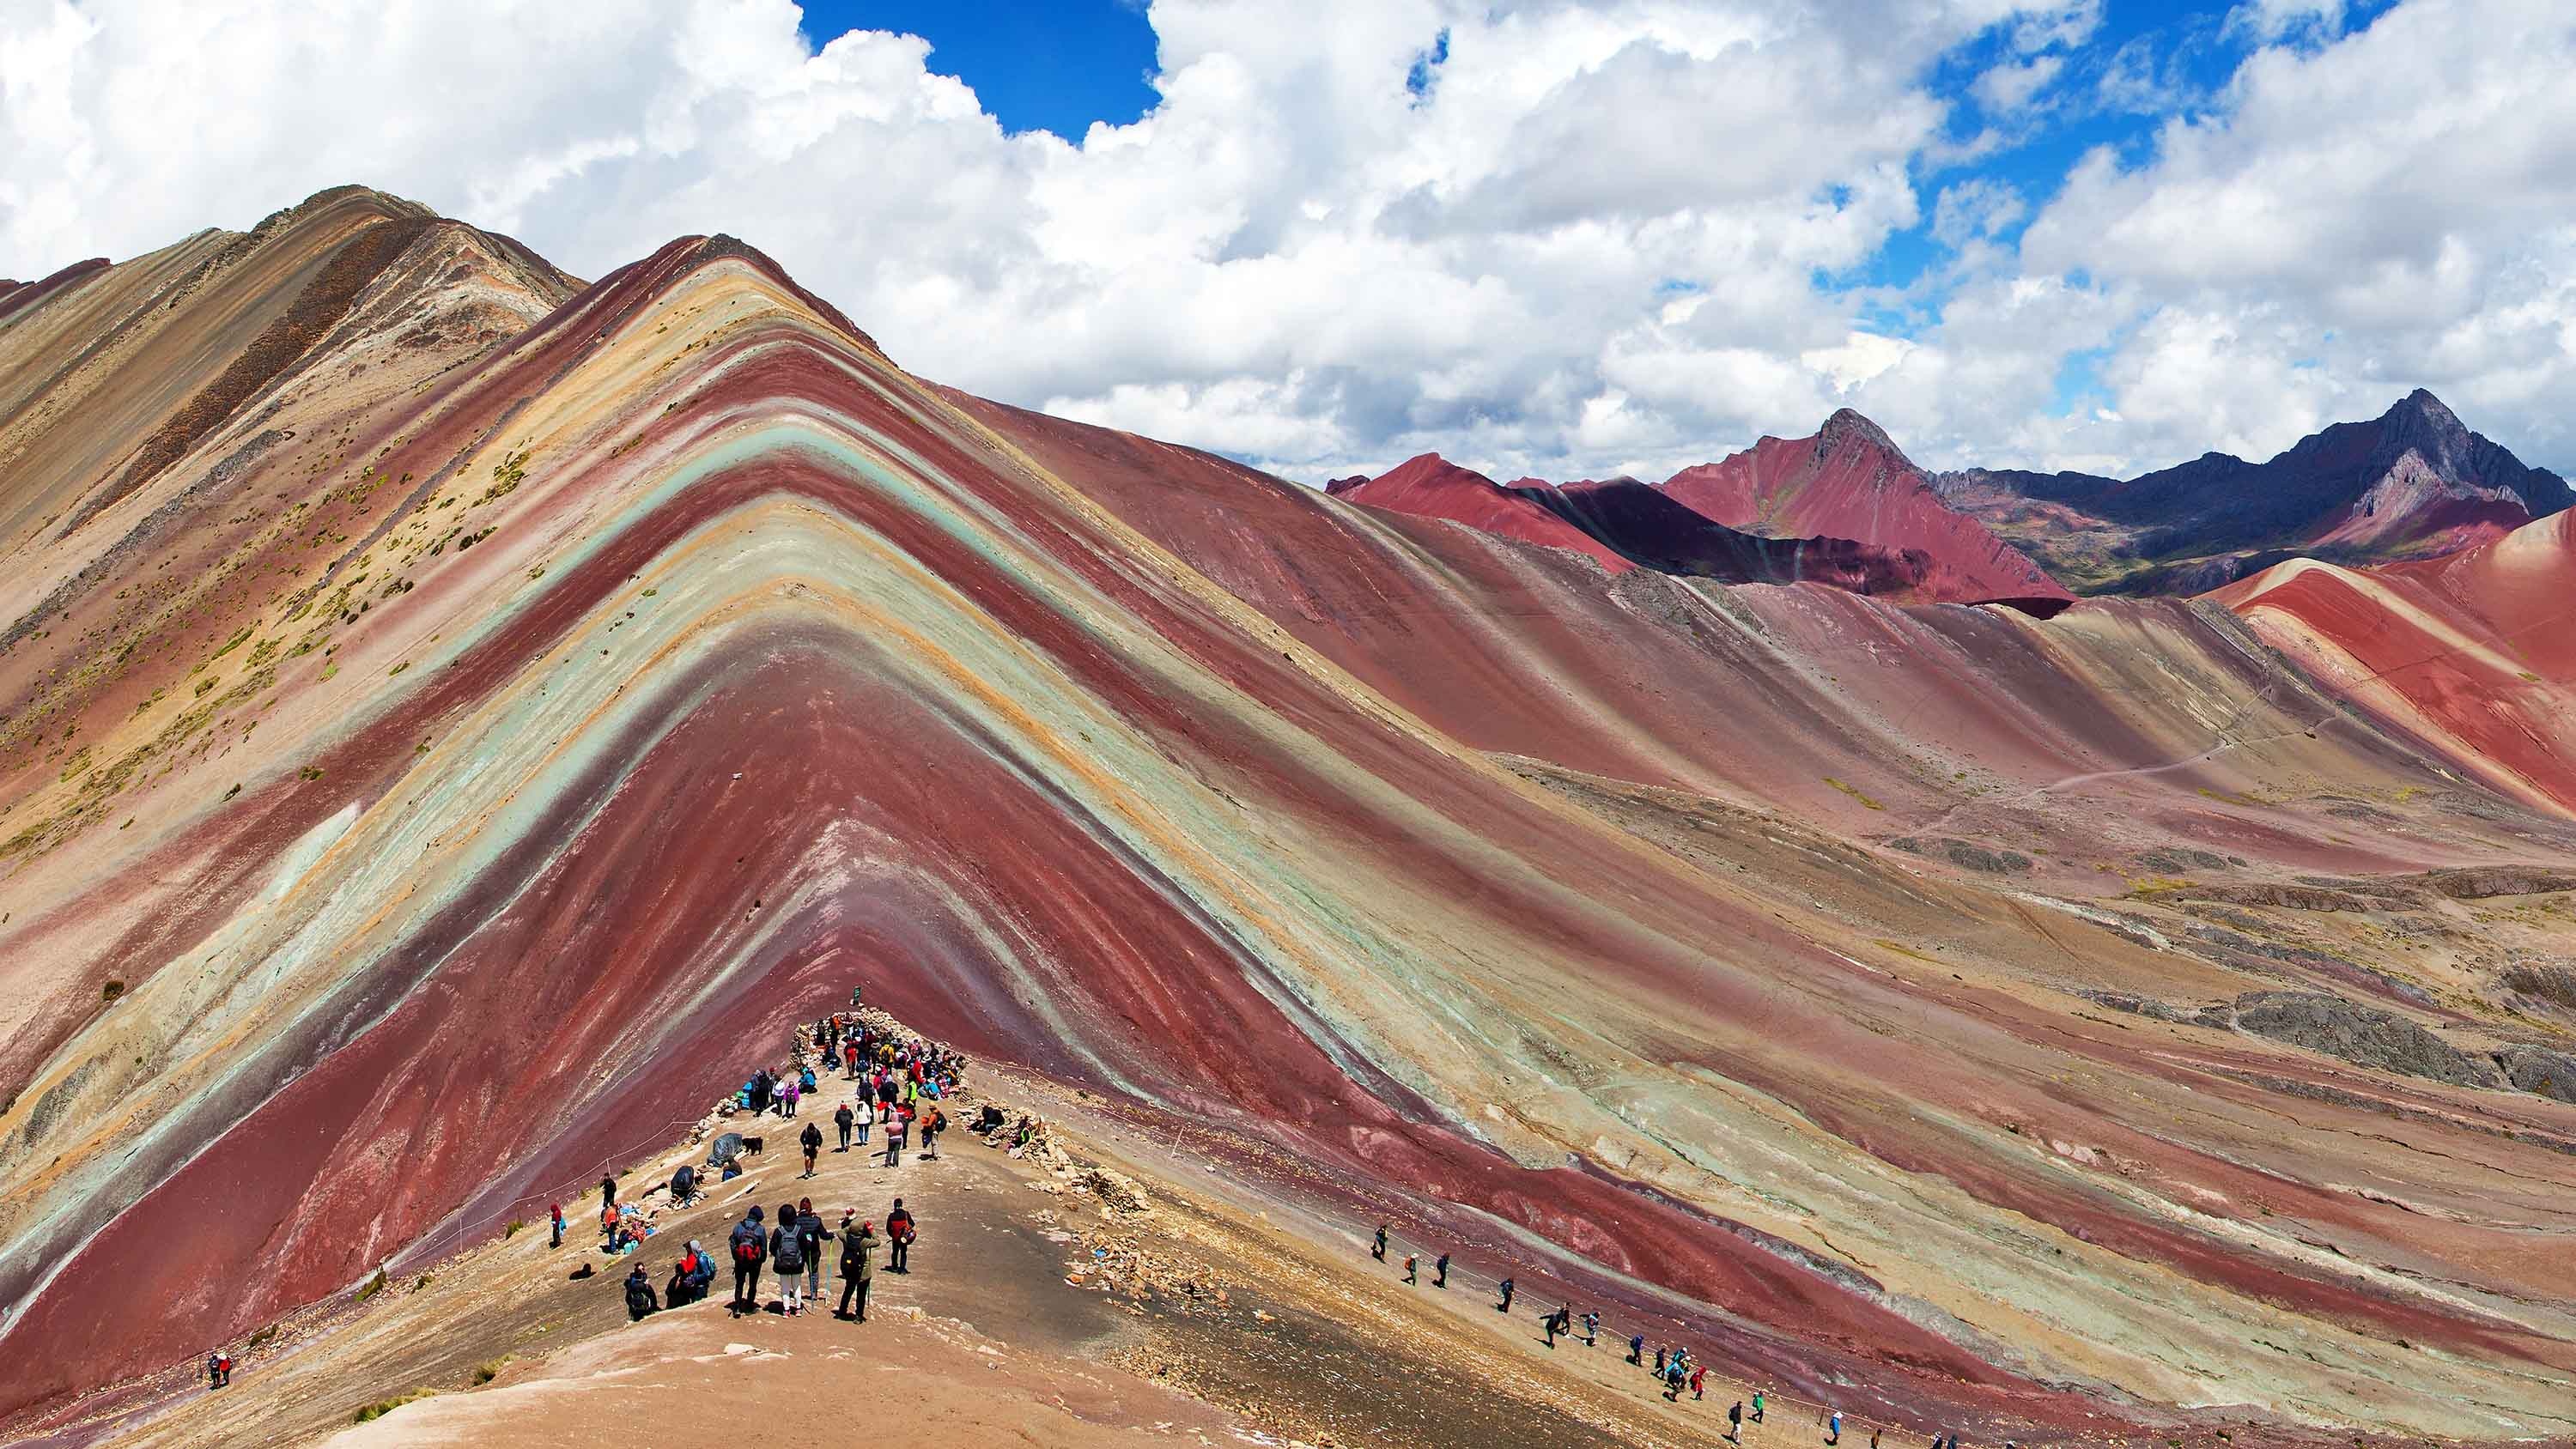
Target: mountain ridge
x=2413 y=482
x=493 y=729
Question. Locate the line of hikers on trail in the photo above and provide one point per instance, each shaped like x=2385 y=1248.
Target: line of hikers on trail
x=903 y=1080
x=1675 y=1368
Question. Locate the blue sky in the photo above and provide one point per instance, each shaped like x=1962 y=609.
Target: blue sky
x=1037 y=65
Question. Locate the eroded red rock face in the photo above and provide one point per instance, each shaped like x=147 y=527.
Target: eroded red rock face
x=2469 y=652
x=465 y=752
x=1850 y=481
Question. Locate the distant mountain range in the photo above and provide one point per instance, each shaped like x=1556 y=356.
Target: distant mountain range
x=1847 y=507
x=2412 y=483
x=1625 y=524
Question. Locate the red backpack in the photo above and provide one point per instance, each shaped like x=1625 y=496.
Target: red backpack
x=748 y=1251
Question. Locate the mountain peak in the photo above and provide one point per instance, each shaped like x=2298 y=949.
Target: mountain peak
x=2420 y=413
x=1849 y=424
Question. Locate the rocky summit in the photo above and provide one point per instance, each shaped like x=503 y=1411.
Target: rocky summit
x=469 y=736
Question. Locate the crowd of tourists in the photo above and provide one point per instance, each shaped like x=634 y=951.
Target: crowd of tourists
x=900 y=1082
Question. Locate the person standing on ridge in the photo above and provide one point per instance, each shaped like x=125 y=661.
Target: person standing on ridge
x=1505 y=1288
x=607 y=1193
x=1735 y=1423
x=899 y=1232
x=1637 y=1349
x=858 y=1266
x=787 y=1251
x=854 y=995
x=1591 y=1329
x=1412 y=1268
x=1378 y=1251
x=894 y=1140
x=1699 y=1380
x=843 y=1117
x=750 y=1248
x=811 y=1139
x=810 y=1235
x=1757 y=1406
x=555 y=1211
x=1440 y=1272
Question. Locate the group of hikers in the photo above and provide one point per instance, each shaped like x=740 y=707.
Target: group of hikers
x=1675 y=1368
x=902 y=1081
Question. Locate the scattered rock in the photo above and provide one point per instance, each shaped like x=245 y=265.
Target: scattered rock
x=2362 y=1035
x=2539 y=1070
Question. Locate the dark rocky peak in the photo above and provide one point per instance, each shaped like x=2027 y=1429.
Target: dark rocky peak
x=1848 y=426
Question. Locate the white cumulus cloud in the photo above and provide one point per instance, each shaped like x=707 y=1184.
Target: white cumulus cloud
x=1593 y=237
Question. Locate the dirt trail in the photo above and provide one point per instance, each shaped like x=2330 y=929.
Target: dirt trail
x=1198 y=1321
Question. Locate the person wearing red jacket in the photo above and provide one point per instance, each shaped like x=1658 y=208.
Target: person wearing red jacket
x=900 y=1232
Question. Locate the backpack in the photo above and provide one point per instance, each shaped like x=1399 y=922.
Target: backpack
x=749 y=1251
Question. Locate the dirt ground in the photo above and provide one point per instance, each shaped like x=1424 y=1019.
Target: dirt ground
x=1035 y=1313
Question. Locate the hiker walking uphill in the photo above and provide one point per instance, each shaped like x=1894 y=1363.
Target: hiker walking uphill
x=843 y=1118
x=811 y=1139
x=750 y=1249
x=894 y=1137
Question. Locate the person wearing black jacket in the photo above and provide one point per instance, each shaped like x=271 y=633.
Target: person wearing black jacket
x=810 y=1235
x=750 y=1248
x=812 y=1141
x=787 y=1251
x=844 y=1118
x=639 y=1295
